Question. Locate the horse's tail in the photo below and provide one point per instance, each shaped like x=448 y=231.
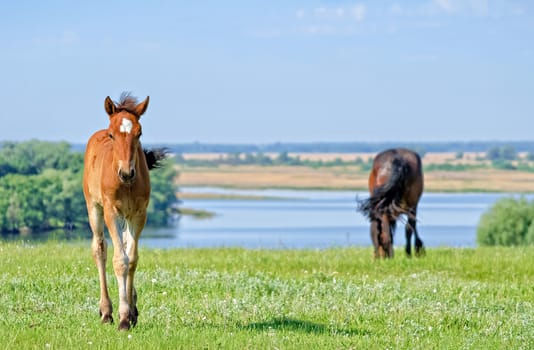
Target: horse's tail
x=385 y=198
x=155 y=157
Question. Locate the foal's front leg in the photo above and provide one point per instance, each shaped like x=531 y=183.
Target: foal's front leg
x=99 y=249
x=131 y=238
x=121 y=264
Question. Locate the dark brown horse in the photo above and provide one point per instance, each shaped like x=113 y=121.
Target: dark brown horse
x=395 y=187
x=116 y=185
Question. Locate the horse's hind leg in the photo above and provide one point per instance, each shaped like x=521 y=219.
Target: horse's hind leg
x=387 y=235
x=383 y=238
x=99 y=250
x=410 y=226
x=419 y=246
x=375 y=232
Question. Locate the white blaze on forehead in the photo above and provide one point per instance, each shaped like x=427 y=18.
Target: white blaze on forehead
x=126 y=125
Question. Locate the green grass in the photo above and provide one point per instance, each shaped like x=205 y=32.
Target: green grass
x=273 y=299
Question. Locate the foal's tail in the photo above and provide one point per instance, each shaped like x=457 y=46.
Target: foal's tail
x=385 y=199
x=155 y=157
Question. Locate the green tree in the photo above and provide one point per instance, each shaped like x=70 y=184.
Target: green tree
x=41 y=188
x=13 y=214
x=508 y=153
x=504 y=153
x=509 y=222
x=493 y=153
x=283 y=158
x=163 y=195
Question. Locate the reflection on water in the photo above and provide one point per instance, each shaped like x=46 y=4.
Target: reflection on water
x=53 y=235
x=307 y=219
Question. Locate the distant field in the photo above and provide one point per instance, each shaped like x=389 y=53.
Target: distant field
x=350 y=177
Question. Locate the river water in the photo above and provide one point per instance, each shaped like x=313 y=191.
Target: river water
x=307 y=219
x=315 y=219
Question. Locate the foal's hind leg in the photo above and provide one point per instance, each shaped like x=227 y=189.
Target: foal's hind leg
x=99 y=250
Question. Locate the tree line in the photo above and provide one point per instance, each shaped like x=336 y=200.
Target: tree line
x=282 y=158
x=343 y=147
x=41 y=188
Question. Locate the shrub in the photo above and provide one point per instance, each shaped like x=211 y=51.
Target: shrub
x=509 y=222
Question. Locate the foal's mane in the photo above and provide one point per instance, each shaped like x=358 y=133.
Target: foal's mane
x=127 y=102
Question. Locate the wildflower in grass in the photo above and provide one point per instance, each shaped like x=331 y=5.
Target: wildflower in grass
x=130 y=336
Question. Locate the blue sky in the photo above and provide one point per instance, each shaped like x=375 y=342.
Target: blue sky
x=269 y=71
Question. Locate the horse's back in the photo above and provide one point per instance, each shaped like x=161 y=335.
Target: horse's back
x=409 y=157
x=414 y=179
x=410 y=160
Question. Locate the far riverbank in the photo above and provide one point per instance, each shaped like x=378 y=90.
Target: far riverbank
x=349 y=178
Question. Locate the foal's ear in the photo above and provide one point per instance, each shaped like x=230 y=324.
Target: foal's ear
x=109 y=105
x=140 y=109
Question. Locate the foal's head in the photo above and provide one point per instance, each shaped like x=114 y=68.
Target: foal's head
x=124 y=131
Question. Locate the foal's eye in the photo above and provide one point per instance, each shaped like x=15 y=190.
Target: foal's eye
x=110 y=136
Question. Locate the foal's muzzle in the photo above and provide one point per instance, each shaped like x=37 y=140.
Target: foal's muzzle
x=127 y=177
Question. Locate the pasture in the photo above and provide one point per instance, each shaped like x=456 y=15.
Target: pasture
x=265 y=299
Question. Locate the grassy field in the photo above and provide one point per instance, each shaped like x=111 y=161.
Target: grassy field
x=268 y=299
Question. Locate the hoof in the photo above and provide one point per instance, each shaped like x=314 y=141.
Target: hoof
x=380 y=253
x=133 y=317
x=124 y=325
x=106 y=318
x=419 y=252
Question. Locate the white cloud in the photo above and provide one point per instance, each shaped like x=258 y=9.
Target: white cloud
x=330 y=20
x=355 y=12
x=69 y=38
x=479 y=7
x=66 y=39
x=358 y=12
x=320 y=11
x=329 y=30
x=445 y=5
x=432 y=8
x=396 y=10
